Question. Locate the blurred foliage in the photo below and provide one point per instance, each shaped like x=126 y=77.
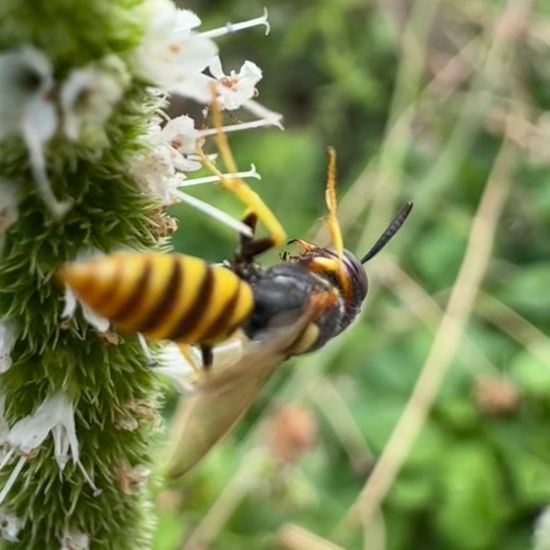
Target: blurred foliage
x=384 y=83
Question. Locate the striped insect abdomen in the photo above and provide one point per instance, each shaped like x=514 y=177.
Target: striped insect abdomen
x=164 y=296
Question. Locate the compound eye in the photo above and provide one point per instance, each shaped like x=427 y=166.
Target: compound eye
x=356 y=273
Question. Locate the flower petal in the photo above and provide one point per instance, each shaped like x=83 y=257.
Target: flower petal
x=97 y=321
x=10 y=525
x=89 y=94
x=8 y=337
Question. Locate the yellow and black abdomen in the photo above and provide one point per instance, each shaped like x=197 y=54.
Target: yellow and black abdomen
x=164 y=296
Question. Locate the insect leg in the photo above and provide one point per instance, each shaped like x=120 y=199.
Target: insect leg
x=187 y=353
x=333 y=225
x=243 y=192
x=330 y=197
x=251 y=220
x=207 y=356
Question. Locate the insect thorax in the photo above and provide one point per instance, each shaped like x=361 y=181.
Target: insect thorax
x=281 y=293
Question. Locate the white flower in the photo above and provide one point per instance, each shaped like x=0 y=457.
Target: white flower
x=9 y=201
x=177 y=368
x=541 y=537
x=27 y=110
x=89 y=94
x=159 y=170
x=8 y=338
x=156 y=170
x=171 y=55
x=54 y=416
x=24 y=94
x=182 y=368
x=173 y=150
x=236 y=88
x=73 y=539
x=71 y=301
x=10 y=525
x=174 y=56
x=180 y=137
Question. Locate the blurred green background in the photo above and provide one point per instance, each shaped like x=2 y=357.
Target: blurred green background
x=430 y=101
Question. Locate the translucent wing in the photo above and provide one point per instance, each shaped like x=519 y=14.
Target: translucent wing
x=222 y=397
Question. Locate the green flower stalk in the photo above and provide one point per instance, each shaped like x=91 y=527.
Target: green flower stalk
x=87 y=167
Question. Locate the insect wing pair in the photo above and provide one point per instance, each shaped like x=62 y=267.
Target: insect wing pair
x=223 y=396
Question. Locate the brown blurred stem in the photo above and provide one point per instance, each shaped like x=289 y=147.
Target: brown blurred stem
x=447 y=338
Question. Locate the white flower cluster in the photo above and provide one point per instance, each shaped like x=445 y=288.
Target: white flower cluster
x=179 y=60
x=54 y=416
x=175 y=59
x=29 y=104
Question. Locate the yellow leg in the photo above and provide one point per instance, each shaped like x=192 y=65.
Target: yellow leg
x=238 y=187
x=332 y=220
x=330 y=197
x=187 y=353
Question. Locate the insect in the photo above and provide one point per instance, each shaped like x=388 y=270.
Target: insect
x=291 y=308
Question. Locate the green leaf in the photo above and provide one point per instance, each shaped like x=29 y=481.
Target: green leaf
x=529 y=473
x=527 y=288
x=473 y=505
x=531 y=374
x=413 y=490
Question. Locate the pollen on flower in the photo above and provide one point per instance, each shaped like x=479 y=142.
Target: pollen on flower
x=236 y=88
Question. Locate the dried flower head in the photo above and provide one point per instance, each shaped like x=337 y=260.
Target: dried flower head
x=496 y=395
x=290 y=433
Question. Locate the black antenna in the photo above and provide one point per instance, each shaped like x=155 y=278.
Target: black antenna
x=391 y=230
